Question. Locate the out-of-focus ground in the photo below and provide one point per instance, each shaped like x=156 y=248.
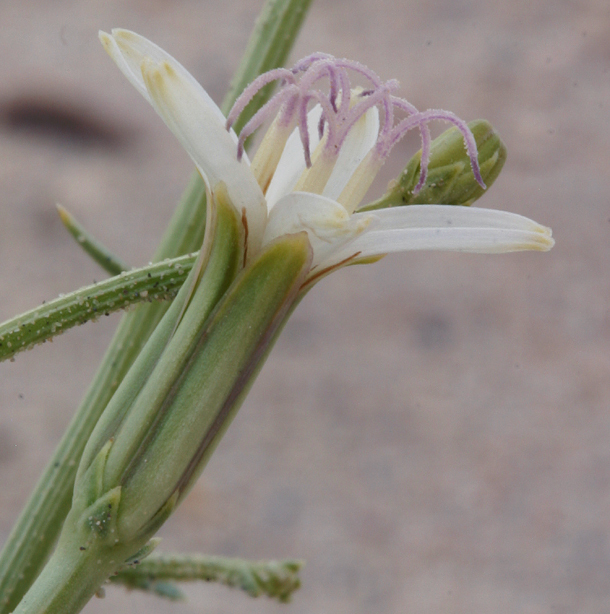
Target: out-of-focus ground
x=431 y=433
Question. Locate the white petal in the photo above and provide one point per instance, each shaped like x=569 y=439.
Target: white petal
x=188 y=115
x=474 y=240
x=292 y=163
x=453 y=216
x=446 y=228
x=326 y=222
x=121 y=60
x=358 y=142
x=129 y=49
x=195 y=120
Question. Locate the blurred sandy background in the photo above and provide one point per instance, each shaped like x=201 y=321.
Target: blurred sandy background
x=431 y=433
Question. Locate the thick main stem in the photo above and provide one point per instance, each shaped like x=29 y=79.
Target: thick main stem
x=67 y=583
x=89 y=550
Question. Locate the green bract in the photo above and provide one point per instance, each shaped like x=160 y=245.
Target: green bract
x=168 y=415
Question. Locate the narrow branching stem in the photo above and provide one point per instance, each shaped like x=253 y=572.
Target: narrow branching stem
x=159 y=281
x=92 y=246
x=275 y=579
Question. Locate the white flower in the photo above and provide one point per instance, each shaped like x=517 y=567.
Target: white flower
x=314 y=166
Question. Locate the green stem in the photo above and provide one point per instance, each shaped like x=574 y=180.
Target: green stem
x=38 y=526
x=275 y=579
x=87 y=553
x=270 y=44
x=99 y=252
x=67 y=583
x=160 y=281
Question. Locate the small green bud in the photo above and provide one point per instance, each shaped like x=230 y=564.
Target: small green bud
x=450 y=179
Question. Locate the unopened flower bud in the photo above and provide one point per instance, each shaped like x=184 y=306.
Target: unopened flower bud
x=450 y=179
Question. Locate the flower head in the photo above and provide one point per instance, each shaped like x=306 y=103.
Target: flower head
x=326 y=142
x=273 y=228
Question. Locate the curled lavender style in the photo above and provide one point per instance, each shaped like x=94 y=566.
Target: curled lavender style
x=341 y=107
x=325 y=142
